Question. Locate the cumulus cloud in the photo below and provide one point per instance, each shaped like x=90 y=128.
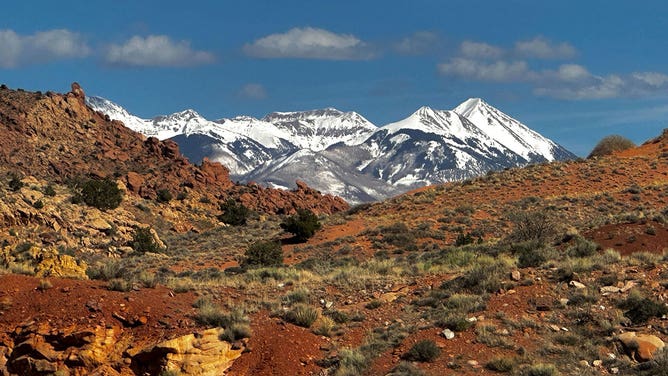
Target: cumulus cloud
x=156 y=50
x=480 y=50
x=542 y=48
x=253 y=91
x=419 y=43
x=496 y=71
x=40 y=47
x=309 y=43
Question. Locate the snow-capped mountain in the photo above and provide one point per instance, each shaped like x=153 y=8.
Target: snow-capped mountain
x=344 y=154
x=511 y=133
x=319 y=129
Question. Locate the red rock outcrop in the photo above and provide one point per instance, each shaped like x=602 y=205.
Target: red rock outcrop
x=56 y=137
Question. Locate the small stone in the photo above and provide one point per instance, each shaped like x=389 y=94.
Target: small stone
x=610 y=289
x=577 y=285
x=628 y=286
x=448 y=334
x=597 y=363
x=614 y=370
x=515 y=275
x=472 y=362
x=584 y=363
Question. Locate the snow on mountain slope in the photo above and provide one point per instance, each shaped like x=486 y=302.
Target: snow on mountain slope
x=117 y=112
x=325 y=172
x=344 y=154
x=432 y=146
x=510 y=132
x=318 y=129
x=241 y=144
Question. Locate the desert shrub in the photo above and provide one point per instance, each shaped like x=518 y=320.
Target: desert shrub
x=106 y=271
x=486 y=276
x=351 y=362
x=301 y=315
x=143 y=240
x=302 y=225
x=297 y=296
x=118 y=284
x=39 y=204
x=531 y=253
x=611 y=144
x=533 y=225
x=541 y=369
x=323 y=326
x=466 y=303
x=210 y=314
x=423 y=351
x=373 y=304
x=15 y=182
x=164 y=195
x=500 y=364
x=398 y=235
x=102 y=194
x=234 y=213
x=639 y=309
x=406 y=369
x=339 y=317
x=583 y=248
x=454 y=321
x=49 y=191
x=236 y=331
x=44 y=284
x=263 y=253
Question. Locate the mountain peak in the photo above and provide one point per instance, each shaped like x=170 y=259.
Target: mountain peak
x=468 y=106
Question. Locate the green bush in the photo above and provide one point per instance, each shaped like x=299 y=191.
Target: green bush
x=15 y=182
x=500 y=364
x=423 y=351
x=611 y=144
x=303 y=225
x=39 y=204
x=406 y=369
x=143 y=241
x=302 y=315
x=101 y=194
x=49 y=191
x=263 y=253
x=164 y=195
x=234 y=214
x=640 y=309
x=536 y=225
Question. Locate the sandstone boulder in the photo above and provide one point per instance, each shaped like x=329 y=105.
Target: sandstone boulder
x=202 y=354
x=641 y=347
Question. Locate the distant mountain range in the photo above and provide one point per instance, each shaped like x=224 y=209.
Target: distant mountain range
x=345 y=154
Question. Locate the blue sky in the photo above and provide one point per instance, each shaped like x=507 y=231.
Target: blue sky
x=574 y=71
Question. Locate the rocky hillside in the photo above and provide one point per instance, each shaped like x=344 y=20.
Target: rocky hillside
x=58 y=138
x=552 y=269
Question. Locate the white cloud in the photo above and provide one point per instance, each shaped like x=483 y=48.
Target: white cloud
x=40 y=47
x=419 y=43
x=575 y=82
x=253 y=91
x=156 y=50
x=480 y=50
x=652 y=79
x=497 y=71
x=309 y=43
x=542 y=48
